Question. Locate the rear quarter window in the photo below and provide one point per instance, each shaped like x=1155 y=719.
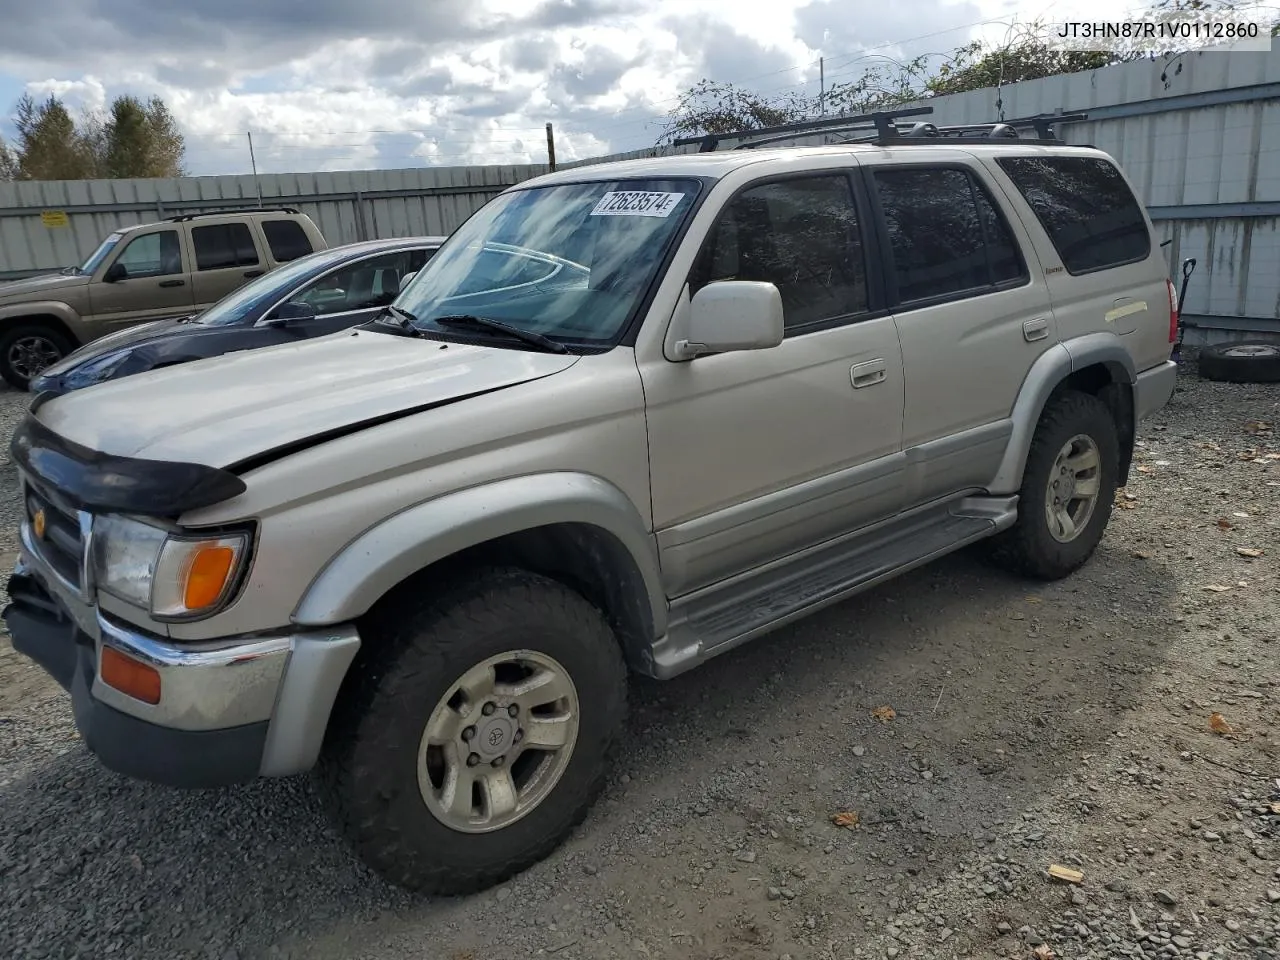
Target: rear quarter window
x=1090 y=214
x=287 y=239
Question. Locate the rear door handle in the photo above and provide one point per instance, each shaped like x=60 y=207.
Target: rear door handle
x=254 y=273
x=173 y=283
x=1037 y=329
x=868 y=374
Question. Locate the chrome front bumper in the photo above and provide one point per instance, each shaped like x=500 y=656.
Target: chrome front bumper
x=281 y=685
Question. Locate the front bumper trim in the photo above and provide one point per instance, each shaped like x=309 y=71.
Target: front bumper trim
x=229 y=710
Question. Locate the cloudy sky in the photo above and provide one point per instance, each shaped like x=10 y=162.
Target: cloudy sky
x=349 y=84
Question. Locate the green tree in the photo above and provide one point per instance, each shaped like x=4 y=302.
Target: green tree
x=49 y=146
x=710 y=107
x=8 y=163
x=140 y=140
x=132 y=139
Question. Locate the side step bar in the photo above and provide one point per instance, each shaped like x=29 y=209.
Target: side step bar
x=724 y=615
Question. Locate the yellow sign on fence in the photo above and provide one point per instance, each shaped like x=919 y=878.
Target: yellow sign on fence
x=54 y=218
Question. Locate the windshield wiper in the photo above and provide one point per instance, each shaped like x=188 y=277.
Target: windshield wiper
x=404 y=320
x=528 y=336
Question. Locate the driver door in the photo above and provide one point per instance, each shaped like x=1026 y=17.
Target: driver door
x=156 y=282
x=759 y=453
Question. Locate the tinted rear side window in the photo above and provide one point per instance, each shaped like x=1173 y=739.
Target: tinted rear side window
x=224 y=245
x=946 y=235
x=287 y=239
x=1085 y=206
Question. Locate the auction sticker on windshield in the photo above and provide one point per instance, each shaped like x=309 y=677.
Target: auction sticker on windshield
x=636 y=203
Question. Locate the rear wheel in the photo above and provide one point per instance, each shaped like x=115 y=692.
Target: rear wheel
x=476 y=732
x=1068 y=489
x=29 y=349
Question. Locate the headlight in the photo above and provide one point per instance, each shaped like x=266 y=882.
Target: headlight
x=95 y=370
x=173 y=576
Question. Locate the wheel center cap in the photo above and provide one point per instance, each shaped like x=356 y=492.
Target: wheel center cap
x=494 y=736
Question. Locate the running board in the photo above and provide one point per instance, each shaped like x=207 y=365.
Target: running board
x=726 y=614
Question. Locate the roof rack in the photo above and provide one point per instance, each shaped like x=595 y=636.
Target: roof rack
x=229 y=210
x=882 y=129
x=1001 y=133
x=882 y=120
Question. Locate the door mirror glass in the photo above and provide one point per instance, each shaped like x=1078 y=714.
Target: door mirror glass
x=730 y=315
x=291 y=312
x=115 y=273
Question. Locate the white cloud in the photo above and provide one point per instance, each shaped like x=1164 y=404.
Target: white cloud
x=333 y=85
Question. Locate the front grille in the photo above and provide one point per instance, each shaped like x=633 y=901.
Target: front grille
x=62 y=546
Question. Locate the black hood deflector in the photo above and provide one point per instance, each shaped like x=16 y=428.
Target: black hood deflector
x=96 y=481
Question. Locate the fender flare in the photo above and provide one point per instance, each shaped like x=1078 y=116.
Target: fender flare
x=1048 y=372
x=406 y=542
x=34 y=308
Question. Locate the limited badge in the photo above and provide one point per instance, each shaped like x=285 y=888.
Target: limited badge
x=37 y=523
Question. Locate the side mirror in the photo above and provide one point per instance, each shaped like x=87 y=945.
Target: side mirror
x=291 y=311
x=731 y=315
x=115 y=273
x=406 y=280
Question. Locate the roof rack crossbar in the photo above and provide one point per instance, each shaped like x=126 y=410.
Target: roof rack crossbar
x=182 y=217
x=882 y=119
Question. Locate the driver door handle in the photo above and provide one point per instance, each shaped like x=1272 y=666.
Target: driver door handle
x=868 y=374
x=254 y=273
x=173 y=283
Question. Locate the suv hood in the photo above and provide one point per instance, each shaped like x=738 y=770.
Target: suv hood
x=37 y=288
x=229 y=409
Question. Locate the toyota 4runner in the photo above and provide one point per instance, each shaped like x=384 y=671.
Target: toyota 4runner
x=151 y=271
x=721 y=391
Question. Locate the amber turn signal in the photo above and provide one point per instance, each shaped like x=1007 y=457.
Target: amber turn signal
x=131 y=677
x=208 y=570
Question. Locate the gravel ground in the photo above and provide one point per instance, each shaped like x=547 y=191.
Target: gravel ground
x=1034 y=725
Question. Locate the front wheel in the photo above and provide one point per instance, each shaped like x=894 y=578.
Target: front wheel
x=28 y=350
x=1068 y=490
x=477 y=730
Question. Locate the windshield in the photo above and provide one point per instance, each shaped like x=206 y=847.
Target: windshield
x=570 y=262
x=260 y=292
x=96 y=258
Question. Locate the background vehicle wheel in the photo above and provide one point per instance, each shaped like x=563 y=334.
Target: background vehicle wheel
x=476 y=731
x=27 y=350
x=1251 y=361
x=1068 y=489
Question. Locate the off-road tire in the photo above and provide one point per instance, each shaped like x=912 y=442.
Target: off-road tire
x=1028 y=548
x=414 y=649
x=1250 y=361
x=11 y=335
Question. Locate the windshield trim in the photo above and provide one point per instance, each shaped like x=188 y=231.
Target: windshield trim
x=630 y=327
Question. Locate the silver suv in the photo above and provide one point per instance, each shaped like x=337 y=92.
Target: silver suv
x=629 y=417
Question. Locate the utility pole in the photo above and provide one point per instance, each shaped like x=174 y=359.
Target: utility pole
x=822 y=85
x=254 y=163
x=551 y=148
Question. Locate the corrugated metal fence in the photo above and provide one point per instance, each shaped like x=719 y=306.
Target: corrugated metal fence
x=48 y=225
x=1199 y=135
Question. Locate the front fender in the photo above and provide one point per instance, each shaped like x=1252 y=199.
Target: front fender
x=406 y=542
x=48 y=308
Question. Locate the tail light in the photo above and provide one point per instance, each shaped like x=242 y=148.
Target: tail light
x=1173 y=312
